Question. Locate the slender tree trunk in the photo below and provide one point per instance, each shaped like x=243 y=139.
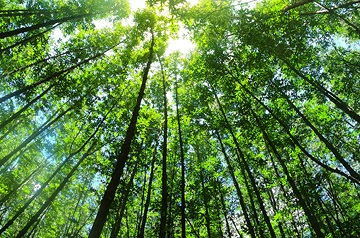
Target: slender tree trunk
x=51 y=77
x=110 y=191
x=237 y=187
x=164 y=188
x=18 y=113
x=297 y=143
x=28 y=39
x=223 y=206
x=140 y=213
x=332 y=97
x=311 y=218
x=205 y=199
x=237 y=230
x=44 y=60
x=327 y=143
x=148 y=196
x=116 y=228
x=49 y=201
x=247 y=168
x=40 y=25
x=46 y=183
x=25 y=12
x=193 y=228
x=34 y=135
x=14 y=190
x=182 y=158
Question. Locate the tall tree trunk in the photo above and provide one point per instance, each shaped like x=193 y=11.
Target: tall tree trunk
x=237 y=187
x=46 y=183
x=205 y=199
x=53 y=76
x=40 y=25
x=297 y=143
x=35 y=134
x=247 y=168
x=116 y=228
x=18 y=113
x=332 y=97
x=140 y=212
x=49 y=201
x=110 y=191
x=28 y=39
x=148 y=196
x=223 y=206
x=327 y=143
x=164 y=188
x=182 y=159
x=311 y=218
x=15 y=189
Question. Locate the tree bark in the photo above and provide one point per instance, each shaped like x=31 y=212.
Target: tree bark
x=46 y=183
x=48 y=202
x=116 y=228
x=311 y=218
x=40 y=25
x=332 y=97
x=247 y=168
x=18 y=113
x=110 y=191
x=237 y=187
x=148 y=196
x=164 y=187
x=182 y=158
x=297 y=143
x=35 y=134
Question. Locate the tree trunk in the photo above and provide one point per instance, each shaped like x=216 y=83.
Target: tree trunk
x=148 y=196
x=110 y=191
x=28 y=39
x=35 y=134
x=237 y=187
x=116 y=228
x=37 y=193
x=48 y=202
x=297 y=143
x=311 y=218
x=164 y=187
x=327 y=143
x=223 y=206
x=40 y=25
x=47 y=79
x=332 y=97
x=205 y=199
x=182 y=159
x=247 y=168
x=14 y=190
x=18 y=113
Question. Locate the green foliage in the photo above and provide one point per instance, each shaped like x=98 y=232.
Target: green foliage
x=268 y=106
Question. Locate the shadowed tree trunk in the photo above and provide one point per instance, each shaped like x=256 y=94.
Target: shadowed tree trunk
x=148 y=196
x=110 y=191
x=182 y=158
x=164 y=187
x=311 y=218
x=116 y=228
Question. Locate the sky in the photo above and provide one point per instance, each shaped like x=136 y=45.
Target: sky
x=182 y=43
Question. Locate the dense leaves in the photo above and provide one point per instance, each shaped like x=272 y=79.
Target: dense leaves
x=254 y=133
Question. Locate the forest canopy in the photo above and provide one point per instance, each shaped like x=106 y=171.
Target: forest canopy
x=106 y=131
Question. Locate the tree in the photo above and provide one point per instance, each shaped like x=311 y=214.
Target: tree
x=105 y=132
